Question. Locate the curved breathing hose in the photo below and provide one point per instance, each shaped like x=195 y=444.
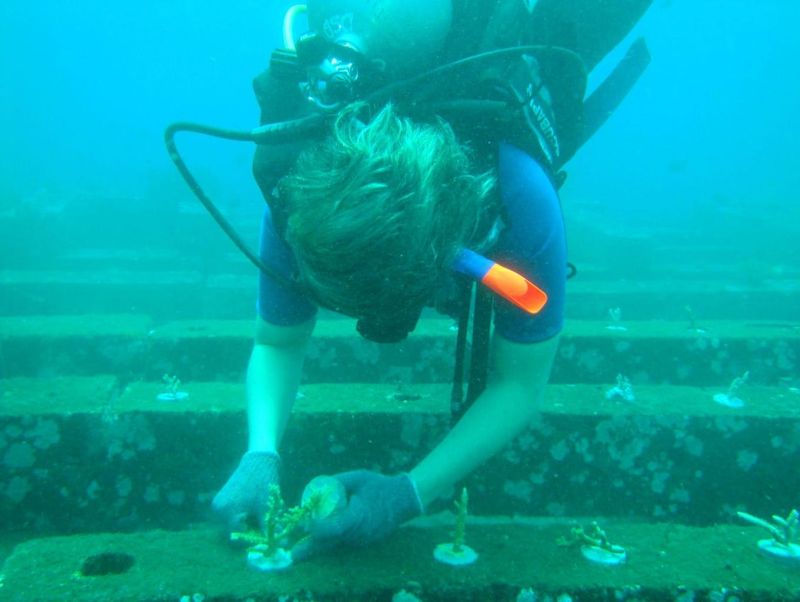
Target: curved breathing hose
x=289 y=130
x=489 y=54
x=172 y=148
x=288 y=24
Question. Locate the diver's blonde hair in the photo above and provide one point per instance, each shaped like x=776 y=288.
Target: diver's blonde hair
x=377 y=211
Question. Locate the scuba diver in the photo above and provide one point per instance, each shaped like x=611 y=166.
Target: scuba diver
x=408 y=149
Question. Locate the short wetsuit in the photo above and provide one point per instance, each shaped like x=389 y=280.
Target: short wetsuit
x=532 y=243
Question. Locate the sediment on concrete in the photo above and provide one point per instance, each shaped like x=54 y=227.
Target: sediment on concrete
x=665 y=562
x=230 y=294
x=90 y=454
x=133 y=348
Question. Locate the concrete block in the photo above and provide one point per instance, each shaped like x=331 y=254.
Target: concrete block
x=517 y=562
x=590 y=351
x=84 y=455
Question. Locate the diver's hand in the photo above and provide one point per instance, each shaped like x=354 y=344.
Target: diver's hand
x=376 y=506
x=244 y=497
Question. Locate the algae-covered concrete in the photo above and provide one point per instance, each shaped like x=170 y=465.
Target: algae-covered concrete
x=101 y=286
x=647 y=352
x=49 y=346
x=58 y=327
x=88 y=454
x=665 y=562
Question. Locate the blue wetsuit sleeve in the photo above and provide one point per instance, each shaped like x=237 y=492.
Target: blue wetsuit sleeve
x=533 y=244
x=277 y=304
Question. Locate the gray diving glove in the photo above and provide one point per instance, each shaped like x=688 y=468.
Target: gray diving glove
x=376 y=506
x=243 y=499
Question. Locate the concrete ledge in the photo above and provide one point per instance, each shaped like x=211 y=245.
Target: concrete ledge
x=83 y=455
x=230 y=294
x=590 y=352
x=49 y=346
x=666 y=562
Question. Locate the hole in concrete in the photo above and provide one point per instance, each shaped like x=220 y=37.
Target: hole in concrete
x=406 y=397
x=107 y=563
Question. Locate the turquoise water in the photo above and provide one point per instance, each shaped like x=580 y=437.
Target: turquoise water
x=704 y=143
x=682 y=218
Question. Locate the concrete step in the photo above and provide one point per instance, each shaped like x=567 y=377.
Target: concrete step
x=186 y=293
x=120 y=233
x=517 y=561
x=164 y=295
x=647 y=352
x=87 y=454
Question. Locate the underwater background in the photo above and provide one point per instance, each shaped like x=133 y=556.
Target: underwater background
x=682 y=218
x=705 y=143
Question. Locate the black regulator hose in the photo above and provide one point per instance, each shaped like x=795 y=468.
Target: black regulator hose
x=286 y=131
x=276 y=130
x=386 y=91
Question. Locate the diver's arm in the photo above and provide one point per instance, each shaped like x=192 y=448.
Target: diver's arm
x=273 y=375
x=519 y=373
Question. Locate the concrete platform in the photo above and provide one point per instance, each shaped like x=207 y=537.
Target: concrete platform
x=90 y=454
x=647 y=352
x=665 y=562
x=230 y=294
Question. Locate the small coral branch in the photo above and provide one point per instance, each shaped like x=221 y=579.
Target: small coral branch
x=732 y=398
x=623 y=390
x=457 y=553
x=171 y=383
x=279 y=522
x=170 y=392
x=784 y=531
x=461 y=521
x=592 y=535
x=615 y=319
x=594 y=545
x=737 y=383
x=692 y=317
